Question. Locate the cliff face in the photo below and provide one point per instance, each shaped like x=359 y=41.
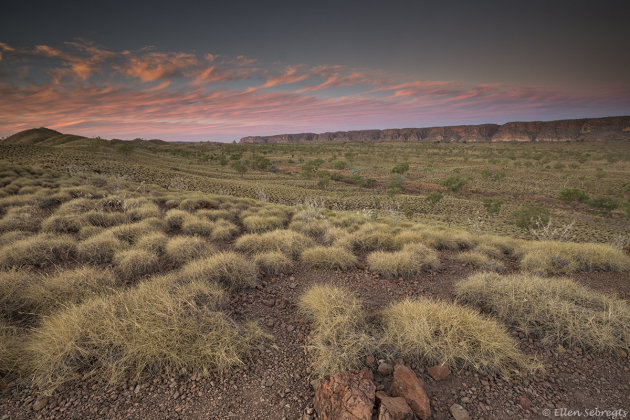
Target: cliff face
x=586 y=129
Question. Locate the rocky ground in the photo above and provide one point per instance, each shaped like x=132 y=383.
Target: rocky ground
x=275 y=384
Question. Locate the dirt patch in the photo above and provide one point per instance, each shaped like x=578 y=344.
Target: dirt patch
x=275 y=383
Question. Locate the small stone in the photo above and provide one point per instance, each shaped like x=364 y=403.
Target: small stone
x=459 y=412
x=370 y=361
x=525 y=402
x=439 y=373
x=39 y=404
x=622 y=353
x=385 y=369
x=407 y=385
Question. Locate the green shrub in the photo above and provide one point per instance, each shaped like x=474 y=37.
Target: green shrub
x=570 y=195
x=530 y=216
x=454 y=183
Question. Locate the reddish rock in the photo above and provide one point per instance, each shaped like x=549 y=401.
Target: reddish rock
x=525 y=402
x=346 y=396
x=439 y=373
x=407 y=385
x=393 y=408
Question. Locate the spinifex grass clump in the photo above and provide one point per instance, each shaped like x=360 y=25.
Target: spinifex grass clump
x=558 y=310
x=441 y=333
x=181 y=249
x=552 y=258
x=328 y=257
x=272 y=263
x=408 y=262
x=231 y=269
x=288 y=242
x=339 y=338
x=40 y=250
x=141 y=330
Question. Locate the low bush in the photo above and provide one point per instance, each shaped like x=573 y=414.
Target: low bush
x=409 y=262
x=559 y=310
x=339 y=339
x=328 y=257
x=528 y=217
x=441 y=333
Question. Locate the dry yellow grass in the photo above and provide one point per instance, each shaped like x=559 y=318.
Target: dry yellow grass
x=153 y=242
x=135 y=263
x=215 y=214
x=51 y=292
x=314 y=228
x=181 y=249
x=193 y=225
x=40 y=250
x=338 y=340
x=441 y=333
x=272 y=263
x=105 y=219
x=259 y=224
x=558 y=310
x=23 y=218
x=288 y=242
x=480 y=260
x=553 y=258
x=11 y=343
x=100 y=248
x=13 y=301
x=224 y=230
x=408 y=262
x=175 y=218
x=141 y=330
x=228 y=268
x=373 y=238
x=328 y=257
x=130 y=232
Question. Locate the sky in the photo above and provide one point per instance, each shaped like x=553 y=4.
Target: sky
x=221 y=70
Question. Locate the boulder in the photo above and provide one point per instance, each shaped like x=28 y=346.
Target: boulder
x=393 y=408
x=346 y=396
x=408 y=386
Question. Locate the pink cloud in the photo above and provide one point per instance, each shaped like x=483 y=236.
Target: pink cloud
x=185 y=96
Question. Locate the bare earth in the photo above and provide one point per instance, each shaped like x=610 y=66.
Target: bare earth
x=275 y=384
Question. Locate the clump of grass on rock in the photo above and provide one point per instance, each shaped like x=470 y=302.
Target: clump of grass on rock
x=408 y=262
x=441 y=333
x=142 y=330
x=228 y=268
x=328 y=257
x=558 y=310
x=339 y=339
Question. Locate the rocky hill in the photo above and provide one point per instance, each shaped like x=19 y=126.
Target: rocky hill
x=585 y=129
x=46 y=137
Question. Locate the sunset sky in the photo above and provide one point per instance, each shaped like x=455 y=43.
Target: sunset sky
x=219 y=71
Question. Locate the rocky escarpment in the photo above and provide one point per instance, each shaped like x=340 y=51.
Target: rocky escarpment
x=585 y=129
